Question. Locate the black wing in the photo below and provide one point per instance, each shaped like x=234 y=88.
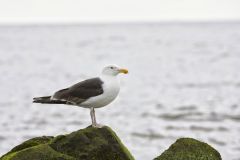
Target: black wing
x=81 y=91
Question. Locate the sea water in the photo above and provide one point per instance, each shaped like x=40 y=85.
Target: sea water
x=183 y=81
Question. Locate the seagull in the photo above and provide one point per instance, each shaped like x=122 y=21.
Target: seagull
x=91 y=93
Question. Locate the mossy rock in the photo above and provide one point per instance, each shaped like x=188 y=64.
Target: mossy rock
x=189 y=149
x=101 y=144
x=86 y=144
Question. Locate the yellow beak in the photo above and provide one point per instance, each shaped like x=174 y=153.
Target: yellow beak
x=125 y=71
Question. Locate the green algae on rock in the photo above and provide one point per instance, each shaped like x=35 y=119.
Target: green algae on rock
x=86 y=144
x=189 y=149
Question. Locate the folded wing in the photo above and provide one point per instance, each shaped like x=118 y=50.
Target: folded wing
x=80 y=92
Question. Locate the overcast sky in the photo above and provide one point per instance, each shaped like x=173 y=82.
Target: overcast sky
x=51 y=11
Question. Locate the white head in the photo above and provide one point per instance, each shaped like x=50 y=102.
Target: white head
x=113 y=70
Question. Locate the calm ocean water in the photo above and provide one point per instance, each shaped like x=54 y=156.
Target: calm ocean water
x=184 y=81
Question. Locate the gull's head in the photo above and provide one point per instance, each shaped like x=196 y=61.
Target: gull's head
x=113 y=70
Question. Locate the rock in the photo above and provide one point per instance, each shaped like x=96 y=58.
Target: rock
x=86 y=144
x=102 y=144
x=189 y=149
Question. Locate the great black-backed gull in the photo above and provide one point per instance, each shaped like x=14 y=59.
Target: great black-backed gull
x=91 y=93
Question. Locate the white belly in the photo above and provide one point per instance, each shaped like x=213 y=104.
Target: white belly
x=110 y=92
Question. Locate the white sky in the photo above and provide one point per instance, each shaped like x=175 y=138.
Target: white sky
x=52 y=11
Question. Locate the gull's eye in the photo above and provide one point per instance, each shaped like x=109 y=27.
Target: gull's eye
x=112 y=67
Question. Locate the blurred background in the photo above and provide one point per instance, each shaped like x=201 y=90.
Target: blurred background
x=183 y=57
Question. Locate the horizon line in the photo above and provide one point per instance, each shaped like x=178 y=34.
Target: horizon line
x=117 y=22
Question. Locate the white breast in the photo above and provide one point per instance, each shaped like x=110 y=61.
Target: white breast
x=110 y=91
